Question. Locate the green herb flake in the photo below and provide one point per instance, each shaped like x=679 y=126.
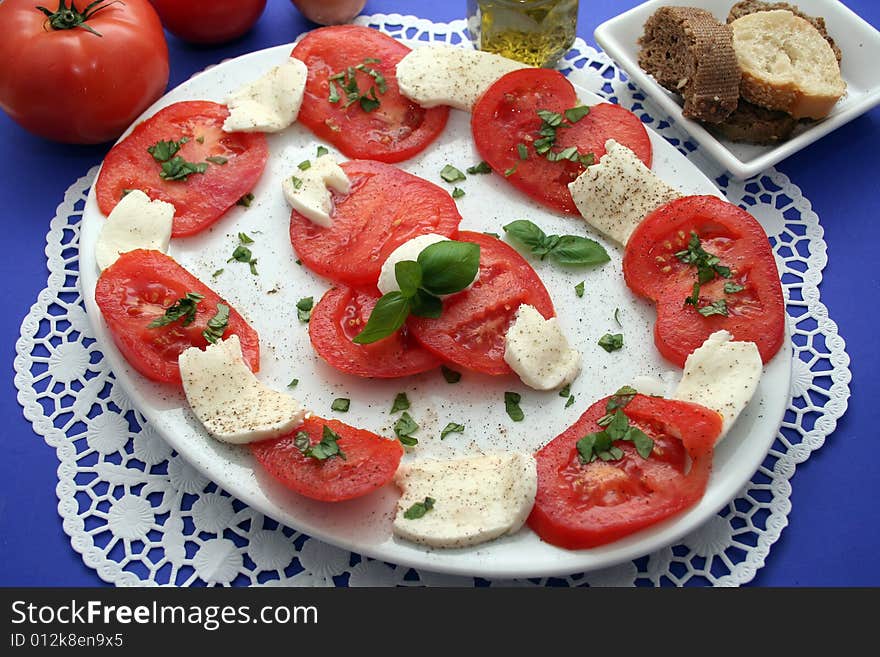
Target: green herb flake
x=575 y=114
x=217 y=325
x=304 y=165
x=611 y=342
x=458 y=192
x=340 y=405
x=217 y=159
x=162 y=151
x=401 y=403
x=522 y=151
x=293 y=383
x=246 y=200
x=419 y=509
x=452 y=427
x=323 y=450
x=183 y=310
x=617 y=317
x=482 y=167
x=733 y=288
x=495 y=235
x=217 y=273
x=200 y=139
x=126 y=192
x=569 y=401
x=564 y=250
x=296 y=182
x=511 y=405
x=566 y=391
x=304 y=309
x=509 y=172
x=322 y=150
x=579 y=289
x=404 y=428
x=451 y=376
x=179 y=169
x=717 y=307
x=244 y=238
x=450 y=174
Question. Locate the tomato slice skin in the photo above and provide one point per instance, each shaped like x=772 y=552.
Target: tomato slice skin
x=203 y=198
x=470 y=331
x=385 y=208
x=340 y=315
x=136 y=289
x=506 y=116
x=397 y=130
x=581 y=506
x=651 y=270
x=370 y=462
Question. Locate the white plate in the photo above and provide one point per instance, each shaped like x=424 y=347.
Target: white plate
x=858 y=41
x=364 y=525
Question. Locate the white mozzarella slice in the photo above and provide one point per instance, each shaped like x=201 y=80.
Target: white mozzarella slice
x=135 y=223
x=615 y=194
x=410 y=250
x=271 y=102
x=537 y=350
x=308 y=192
x=476 y=499
x=229 y=400
x=650 y=385
x=450 y=75
x=721 y=375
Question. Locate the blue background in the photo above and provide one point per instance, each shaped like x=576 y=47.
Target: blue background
x=834 y=526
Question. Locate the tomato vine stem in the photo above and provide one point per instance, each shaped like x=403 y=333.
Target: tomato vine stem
x=68 y=18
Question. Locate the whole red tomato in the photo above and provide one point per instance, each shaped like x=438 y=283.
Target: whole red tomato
x=80 y=71
x=209 y=21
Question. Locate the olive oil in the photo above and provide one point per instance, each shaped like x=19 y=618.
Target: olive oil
x=535 y=32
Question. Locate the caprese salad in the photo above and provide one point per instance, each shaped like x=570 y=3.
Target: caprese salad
x=409 y=290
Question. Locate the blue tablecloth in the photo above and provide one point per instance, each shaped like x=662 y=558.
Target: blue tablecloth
x=833 y=534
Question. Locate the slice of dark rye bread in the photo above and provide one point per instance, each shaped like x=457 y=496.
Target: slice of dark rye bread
x=747 y=7
x=691 y=53
x=755 y=125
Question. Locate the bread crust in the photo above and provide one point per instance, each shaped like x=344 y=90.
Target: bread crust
x=690 y=53
x=755 y=125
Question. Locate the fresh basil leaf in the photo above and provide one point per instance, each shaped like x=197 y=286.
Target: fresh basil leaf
x=458 y=192
x=733 y=288
x=611 y=342
x=217 y=273
x=182 y=310
x=293 y=383
x=574 y=250
x=575 y=114
x=569 y=401
x=162 y=151
x=409 y=276
x=449 y=267
x=388 y=316
x=179 y=169
x=451 y=376
x=244 y=238
x=419 y=509
x=566 y=391
x=526 y=232
x=718 y=307
x=522 y=151
x=643 y=443
x=217 y=159
x=321 y=151
x=327 y=447
x=587 y=160
x=296 y=182
x=621 y=398
x=617 y=317
x=452 y=427
x=618 y=426
x=553 y=119
x=302 y=441
x=423 y=304
x=511 y=405
x=450 y=174
x=216 y=326
x=401 y=403
x=482 y=167
x=334 y=92
x=404 y=428
x=509 y=172
x=246 y=200
x=341 y=405
x=304 y=309
x=579 y=289
x=305 y=165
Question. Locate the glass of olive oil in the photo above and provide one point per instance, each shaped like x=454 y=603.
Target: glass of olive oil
x=535 y=32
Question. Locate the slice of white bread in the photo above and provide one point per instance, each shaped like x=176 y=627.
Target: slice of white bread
x=787 y=64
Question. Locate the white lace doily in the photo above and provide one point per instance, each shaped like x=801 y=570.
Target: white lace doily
x=140 y=515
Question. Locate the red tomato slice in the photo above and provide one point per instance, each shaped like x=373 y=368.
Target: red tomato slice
x=385 y=208
x=202 y=198
x=471 y=330
x=137 y=289
x=396 y=130
x=506 y=115
x=370 y=462
x=651 y=269
x=585 y=505
x=339 y=316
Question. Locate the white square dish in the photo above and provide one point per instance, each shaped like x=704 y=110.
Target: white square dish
x=857 y=39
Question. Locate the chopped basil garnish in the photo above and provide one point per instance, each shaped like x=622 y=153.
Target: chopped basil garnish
x=293 y=383
x=244 y=238
x=347 y=81
x=708 y=267
x=451 y=376
x=575 y=114
x=243 y=253
x=599 y=444
x=216 y=326
x=450 y=174
x=452 y=427
x=619 y=399
x=183 y=310
x=566 y=391
x=246 y=200
x=419 y=509
x=296 y=182
x=458 y=192
x=162 y=151
x=217 y=159
x=321 y=151
x=401 y=403
x=217 y=273
x=482 y=167
x=522 y=151
x=511 y=405
x=579 y=289
x=717 y=307
x=611 y=342
x=566 y=250
x=509 y=172
x=551 y=122
x=179 y=169
x=570 y=401
x=304 y=165
x=443 y=268
x=617 y=317
x=304 y=309
x=404 y=428
x=320 y=451
x=340 y=404
x=733 y=288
